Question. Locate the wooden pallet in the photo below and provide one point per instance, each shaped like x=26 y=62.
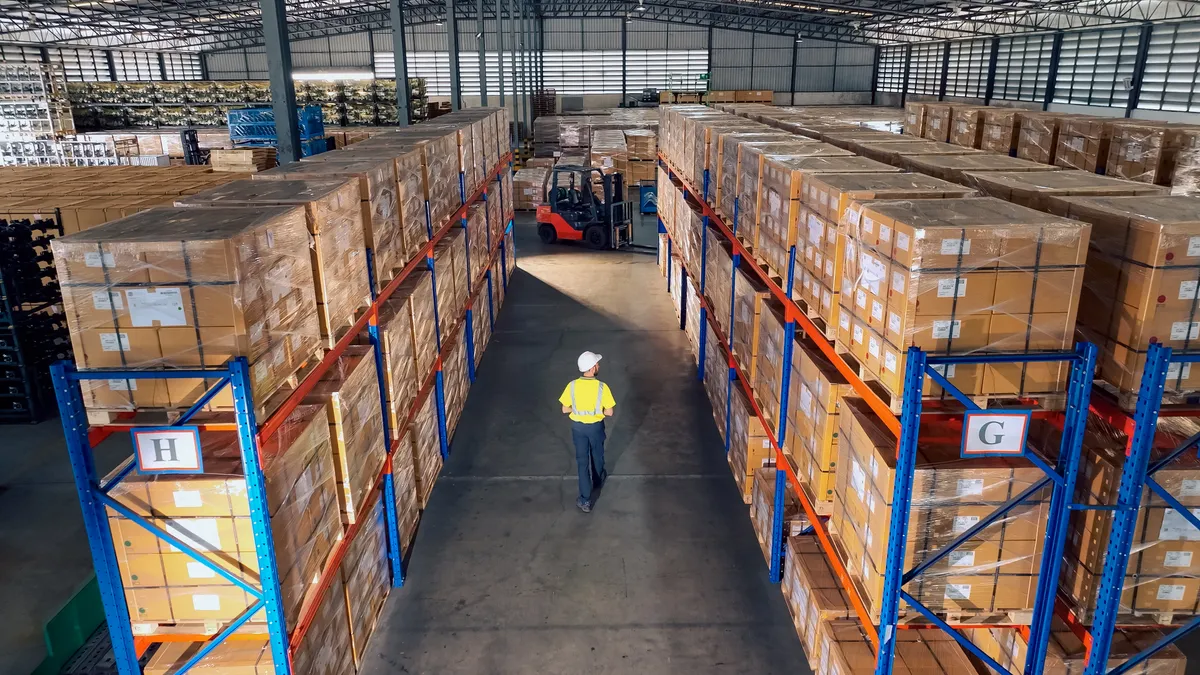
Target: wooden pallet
x=242 y=160
x=829 y=333
x=1127 y=400
x=823 y=508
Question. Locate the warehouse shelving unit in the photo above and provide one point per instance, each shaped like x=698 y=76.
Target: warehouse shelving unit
x=919 y=365
x=1137 y=475
x=94 y=493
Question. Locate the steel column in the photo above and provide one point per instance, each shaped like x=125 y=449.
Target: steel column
x=792 y=81
x=907 y=68
x=993 y=59
x=112 y=66
x=874 y=75
x=527 y=69
x=624 y=64
x=279 y=70
x=1052 y=78
x=481 y=38
x=500 y=48
x=162 y=66
x=452 y=46
x=1139 y=68
x=518 y=57
x=400 y=60
x=945 y=71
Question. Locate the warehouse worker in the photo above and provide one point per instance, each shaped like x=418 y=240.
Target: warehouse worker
x=588 y=401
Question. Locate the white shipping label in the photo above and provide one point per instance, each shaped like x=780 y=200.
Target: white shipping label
x=898 y=282
x=868 y=225
x=877 y=310
x=1175 y=527
x=962 y=558
x=874 y=467
x=960 y=127
x=873 y=269
x=1187 y=290
x=935 y=123
x=806 y=401
x=197 y=570
x=122 y=385
x=1182 y=330
x=994 y=132
x=114 y=342
x=1076 y=144
x=969 y=486
x=858 y=479
x=1189 y=488
x=826 y=299
x=816 y=232
x=956 y=247
x=199 y=533
x=885 y=234
x=893 y=322
x=946 y=371
x=270 y=239
x=1177 y=559
x=107 y=300
x=901 y=241
x=964 y=523
x=942 y=330
x=873 y=346
x=860 y=298
x=1133 y=153
x=890 y=362
x=828 y=267
x=261 y=371
x=149 y=307
x=948 y=288
x=857 y=335
x=1193 y=248
x=1177 y=370
x=206 y=602
x=187 y=499
x=773 y=202
x=958 y=592
x=1170 y=592
x=844 y=321
x=95 y=259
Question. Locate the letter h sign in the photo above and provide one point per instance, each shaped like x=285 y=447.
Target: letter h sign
x=168 y=450
x=989 y=433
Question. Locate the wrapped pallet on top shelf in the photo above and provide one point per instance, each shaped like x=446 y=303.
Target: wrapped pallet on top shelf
x=957 y=276
x=1001 y=130
x=749 y=446
x=338 y=252
x=1144 y=151
x=183 y=288
x=939 y=122
x=427 y=450
x=1083 y=143
x=1044 y=190
x=967 y=126
x=167 y=590
x=991 y=575
x=914 y=119
x=813 y=594
x=350 y=392
x=438 y=149
x=1066 y=654
x=762 y=510
x=1143 y=267
x=956 y=168
x=705 y=155
x=377 y=193
x=366 y=579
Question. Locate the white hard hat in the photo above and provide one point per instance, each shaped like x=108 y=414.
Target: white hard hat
x=587 y=360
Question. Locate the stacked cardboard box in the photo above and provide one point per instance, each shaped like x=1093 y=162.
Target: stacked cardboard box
x=716 y=379
x=366 y=579
x=749 y=446
x=338 y=252
x=894 y=151
x=242 y=160
x=956 y=168
x=609 y=152
x=718 y=280
x=967 y=127
x=939 y=122
x=327 y=644
x=845 y=651
x=750 y=188
x=377 y=183
x=450 y=270
x=816 y=389
x=184 y=288
x=1145 y=151
x=1143 y=268
x=762 y=511
x=691 y=322
x=454 y=375
x=847 y=139
x=477 y=241
x=813 y=594
x=530 y=186
x=749 y=298
x=1066 y=654
x=166 y=588
x=767 y=380
x=1083 y=143
x=729 y=166
x=1044 y=190
x=958 y=276
x=1001 y=130
x=993 y=573
x=1039 y=136
x=914 y=119
x=1185 y=178
x=427 y=450
x=404 y=478
x=1162 y=578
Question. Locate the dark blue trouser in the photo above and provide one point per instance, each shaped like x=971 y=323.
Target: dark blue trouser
x=589 y=455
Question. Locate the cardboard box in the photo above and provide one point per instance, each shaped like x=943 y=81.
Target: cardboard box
x=939 y=118
x=1001 y=130
x=1145 y=151
x=1041 y=189
x=830 y=195
x=967 y=126
x=1039 y=136
x=1083 y=143
x=813 y=594
x=366 y=580
x=914 y=119
x=894 y=151
x=960 y=168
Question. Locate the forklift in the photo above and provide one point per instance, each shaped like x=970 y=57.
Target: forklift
x=585 y=204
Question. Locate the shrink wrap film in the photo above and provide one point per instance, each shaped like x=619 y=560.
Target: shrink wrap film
x=1146 y=151
x=1083 y=143
x=1066 y=654
x=1044 y=190
x=366 y=578
x=404 y=478
x=958 y=168
x=427 y=449
x=729 y=169
x=716 y=379
x=895 y=152
x=529 y=185
x=1185 y=179
x=1001 y=130
x=914 y=119
x=939 y=122
x=967 y=126
x=749 y=446
x=1039 y=136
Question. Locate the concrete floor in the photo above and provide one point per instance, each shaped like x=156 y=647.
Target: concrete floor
x=664 y=576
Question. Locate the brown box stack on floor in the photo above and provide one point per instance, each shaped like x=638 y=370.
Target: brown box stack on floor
x=184 y=288
x=338 y=252
x=529 y=186
x=749 y=446
x=165 y=587
x=1039 y=136
x=366 y=580
x=1066 y=654
x=1143 y=269
x=956 y=276
x=609 y=152
x=939 y=122
x=380 y=214
x=914 y=119
x=1001 y=130
x=967 y=127
x=816 y=389
x=1083 y=143
x=813 y=594
x=1044 y=190
x=1163 y=575
x=1145 y=151
x=994 y=572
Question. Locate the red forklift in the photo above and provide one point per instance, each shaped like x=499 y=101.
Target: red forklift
x=585 y=204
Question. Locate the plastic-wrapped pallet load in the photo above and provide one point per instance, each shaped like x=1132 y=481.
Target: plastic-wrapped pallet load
x=1044 y=190
x=404 y=480
x=991 y=574
x=1145 y=151
x=894 y=152
x=510 y=260
x=956 y=168
x=477 y=238
x=1083 y=143
x=609 y=153
x=813 y=594
x=1185 y=178
x=1066 y=654
x=729 y=171
x=1001 y=130
x=749 y=446
x=366 y=579
x=767 y=379
x=350 y=392
x=716 y=378
x=957 y=276
x=327 y=647
x=689 y=235
x=1039 y=136
x=454 y=374
x=380 y=215
x=753 y=162
x=401 y=376
x=967 y=127
x=427 y=450
x=338 y=251
x=530 y=188
x=167 y=590
x=1143 y=268
x=816 y=389
x=439 y=152
x=718 y=278
x=692 y=318
x=185 y=288
x=849 y=138
x=914 y=119
x=750 y=295
x=448 y=254
x=939 y=118
x=762 y=510
x=706 y=151
x=641 y=143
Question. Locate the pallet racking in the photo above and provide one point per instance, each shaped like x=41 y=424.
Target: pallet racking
x=94 y=493
x=1060 y=478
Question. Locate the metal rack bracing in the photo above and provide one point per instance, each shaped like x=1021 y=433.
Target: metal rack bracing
x=1059 y=478
x=94 y=493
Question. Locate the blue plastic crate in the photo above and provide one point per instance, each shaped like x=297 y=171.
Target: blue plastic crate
x=258 y=124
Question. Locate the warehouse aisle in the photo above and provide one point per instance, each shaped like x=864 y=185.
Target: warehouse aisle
x=664 y=576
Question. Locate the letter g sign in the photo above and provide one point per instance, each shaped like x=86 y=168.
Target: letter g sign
x=995 y=434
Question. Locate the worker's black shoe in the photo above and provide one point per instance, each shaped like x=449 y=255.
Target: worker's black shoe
x=583 y=506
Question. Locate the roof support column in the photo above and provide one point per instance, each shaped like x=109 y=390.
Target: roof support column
x=279 y=71
x=500 y=47
x=400 y=60
x=481 y=38
x=452 y=47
